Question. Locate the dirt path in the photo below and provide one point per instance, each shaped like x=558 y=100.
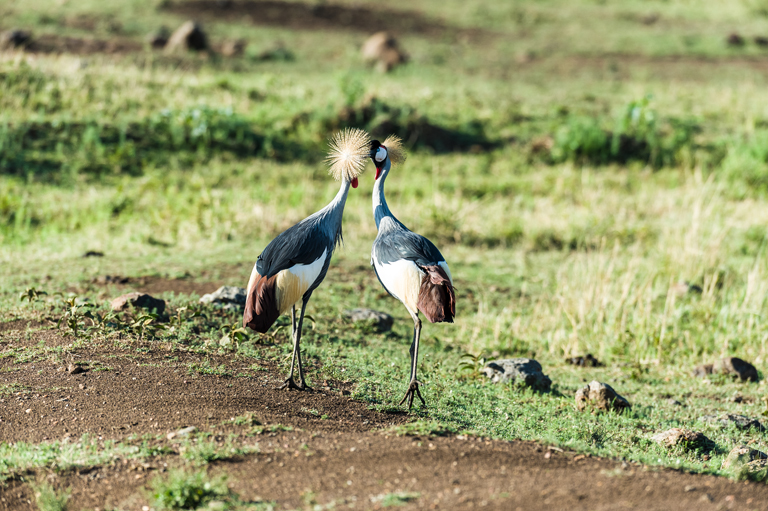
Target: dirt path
x=339 y=453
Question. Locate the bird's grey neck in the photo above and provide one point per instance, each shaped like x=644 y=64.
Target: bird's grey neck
x=380 y=208
x=334 y=211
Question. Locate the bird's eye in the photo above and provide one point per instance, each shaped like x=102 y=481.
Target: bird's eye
x=381 y=154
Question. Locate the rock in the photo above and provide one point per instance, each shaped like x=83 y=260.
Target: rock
x=159 y=38
x=683 y=288
x=139 y=300
x=75 y=369
x=233 y=48
x=383 y=50
x=15 y=38
x=756 y=470
x=189 y=36
x=110 y=279
x=586 y=361
x=740 y=456
x=181 y=433
x=735 y=39
x=683 y=437
x=230 y=297
x=600 y=396
x=383 y=321
x=519 y=371
x=740 y=421
x=736 y=367
x=702 y=371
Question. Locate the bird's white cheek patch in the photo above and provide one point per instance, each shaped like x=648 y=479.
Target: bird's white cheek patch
x=292 y=283
x=403 y=280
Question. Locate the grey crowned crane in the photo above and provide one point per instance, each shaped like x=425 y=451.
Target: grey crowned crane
x=295 y=263
x=408 y=265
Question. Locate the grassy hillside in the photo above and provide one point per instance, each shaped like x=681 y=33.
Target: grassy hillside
x=574 y=161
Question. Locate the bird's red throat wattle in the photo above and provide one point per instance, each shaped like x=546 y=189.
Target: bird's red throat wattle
x=354 y=182
x=378 y=173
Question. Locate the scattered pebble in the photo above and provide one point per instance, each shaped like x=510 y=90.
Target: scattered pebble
x=733 y=366
x=519 y=371
x=584 y=361
x=740 y=421
x=740 y=456
x=383 y=50
x=75 y=369
x=382 y=321
x=682 y=437
x=139 y=300
x=189 y=36
x=181 y=433
x=600 y=396
x=229 y=297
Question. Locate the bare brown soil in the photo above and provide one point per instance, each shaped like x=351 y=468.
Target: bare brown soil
x=52 y=43
x=317 y=16
x=339 y=450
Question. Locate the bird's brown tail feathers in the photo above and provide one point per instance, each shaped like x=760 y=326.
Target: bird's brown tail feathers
x=437 y=299
x=261 y=310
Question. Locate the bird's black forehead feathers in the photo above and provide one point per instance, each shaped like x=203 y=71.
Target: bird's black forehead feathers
x=375 y=144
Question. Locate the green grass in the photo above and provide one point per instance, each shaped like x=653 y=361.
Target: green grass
x=48 y=499
x=575 y=161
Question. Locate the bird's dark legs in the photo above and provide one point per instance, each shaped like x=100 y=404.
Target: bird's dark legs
x=413 y=384
x=296 y=335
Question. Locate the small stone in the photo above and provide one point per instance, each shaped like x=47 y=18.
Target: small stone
x=736 y=367
x=705 y=498
x=383 y=50
x=741 y=456
x=381 y=320
x=735 y=39
x=689 y=488
x=28 y=410
x=181 y=433
x=740 y=421
x=683 y=437
x=189 y=36
x=584 y=361
x=233 y=48
x=141 y=300
x=159 y=38
x=684 y=288
x=75 y=369
x=600 y=396
x=15 y=38
x=519 y=371
x=81 y=386
x=702 y=371
x=231 y=296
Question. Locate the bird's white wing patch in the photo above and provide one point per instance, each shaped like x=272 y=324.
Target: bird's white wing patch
x=444 y=266
x=403 y=280
x=293 y=282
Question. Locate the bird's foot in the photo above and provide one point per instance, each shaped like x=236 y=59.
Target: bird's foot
x=290 y=384
x=413 y=391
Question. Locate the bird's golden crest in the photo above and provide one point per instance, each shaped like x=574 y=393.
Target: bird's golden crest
x=349 y=150
x=395 y=148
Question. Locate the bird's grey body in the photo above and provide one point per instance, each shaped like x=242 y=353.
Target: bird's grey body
x=410 y=268
x=290 y=268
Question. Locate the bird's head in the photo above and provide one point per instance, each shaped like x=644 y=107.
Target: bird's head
x=347 y=154
x=391 y=151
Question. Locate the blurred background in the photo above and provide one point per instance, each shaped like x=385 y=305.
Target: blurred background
x=595 y=171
